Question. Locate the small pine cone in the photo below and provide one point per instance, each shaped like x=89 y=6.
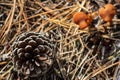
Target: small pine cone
x=32 y=54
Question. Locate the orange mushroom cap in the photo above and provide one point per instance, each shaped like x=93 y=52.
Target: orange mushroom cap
x=81 y=19
x=107 y=12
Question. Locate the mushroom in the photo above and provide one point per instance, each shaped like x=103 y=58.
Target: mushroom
x=81 y=19
x=107 y=12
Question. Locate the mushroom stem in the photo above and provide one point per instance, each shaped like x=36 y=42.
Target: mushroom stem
x=83 y=24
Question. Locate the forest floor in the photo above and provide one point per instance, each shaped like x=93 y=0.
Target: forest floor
x=82 y=54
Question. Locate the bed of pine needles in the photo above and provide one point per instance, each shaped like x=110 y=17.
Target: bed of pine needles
x=76 y=61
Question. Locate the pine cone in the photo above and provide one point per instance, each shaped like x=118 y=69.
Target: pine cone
x=32 y=54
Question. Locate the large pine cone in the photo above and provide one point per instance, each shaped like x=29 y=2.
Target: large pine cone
x=32 y=54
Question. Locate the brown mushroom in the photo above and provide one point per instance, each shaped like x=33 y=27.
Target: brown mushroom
x=81 y=19
x=107 y=12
